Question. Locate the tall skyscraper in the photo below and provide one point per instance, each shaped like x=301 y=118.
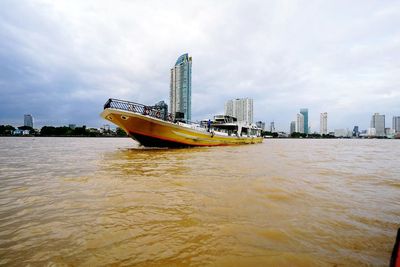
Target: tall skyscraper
x=181 y=87
x=323 y=123
x=28 y=120
x=378 y=122
x=396 y=124
x=240 y=108
x=300 y=123
x=292 y=127
x=304 y=112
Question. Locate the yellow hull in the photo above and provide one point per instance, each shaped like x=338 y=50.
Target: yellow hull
x=154 y=132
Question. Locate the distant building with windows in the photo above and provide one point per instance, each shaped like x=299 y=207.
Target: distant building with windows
x=323 y=123
x=396 y=124
x=378 y=122
x=292 y=127
x=181 y=87
x=304 y=112
x=241 y=109
x=28 y=120
x=300 y=123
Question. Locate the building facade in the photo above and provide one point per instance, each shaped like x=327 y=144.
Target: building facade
x=396 y=124
x=300 y=123
x=378 y=122
x=323 y=123
x=304 y=112
x=292 y=127
x=181 y=87
x=28 y=120
x=241 y=109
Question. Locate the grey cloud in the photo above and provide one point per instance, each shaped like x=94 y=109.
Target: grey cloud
x=341 y=57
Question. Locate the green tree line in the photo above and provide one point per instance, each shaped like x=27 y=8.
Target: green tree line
x=8 y=130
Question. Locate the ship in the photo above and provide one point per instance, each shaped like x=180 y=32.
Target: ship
x=153 y=126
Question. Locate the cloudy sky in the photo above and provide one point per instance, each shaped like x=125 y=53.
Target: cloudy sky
x=61 y=60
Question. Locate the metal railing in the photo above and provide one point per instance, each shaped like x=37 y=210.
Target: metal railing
x=152 y=111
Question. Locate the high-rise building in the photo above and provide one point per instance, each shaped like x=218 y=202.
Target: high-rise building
x=304 y=112
x=241 y=109
x=378 y=122
x=261 y=125
x=292 y=127
x=396 y=124
x=28 y=120
x=323 y=123
x=181 y=87
x=300 y=123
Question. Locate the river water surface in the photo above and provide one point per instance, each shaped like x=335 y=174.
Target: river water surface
x=105 y=201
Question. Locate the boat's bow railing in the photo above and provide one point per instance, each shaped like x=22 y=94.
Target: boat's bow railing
x=156 y=111
x=152 y=111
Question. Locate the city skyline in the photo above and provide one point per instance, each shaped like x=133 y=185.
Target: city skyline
x=378 y=126
x=61 y=64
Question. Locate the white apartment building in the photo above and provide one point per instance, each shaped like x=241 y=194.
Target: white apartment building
x=323 y=123
x=240 y=108
x=300 y=123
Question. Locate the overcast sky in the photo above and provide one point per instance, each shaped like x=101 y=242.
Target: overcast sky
x=61 y=60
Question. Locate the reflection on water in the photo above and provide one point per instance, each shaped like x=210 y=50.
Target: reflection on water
x=285 y=202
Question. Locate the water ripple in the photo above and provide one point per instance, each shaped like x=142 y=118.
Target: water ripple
x=89 y=202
